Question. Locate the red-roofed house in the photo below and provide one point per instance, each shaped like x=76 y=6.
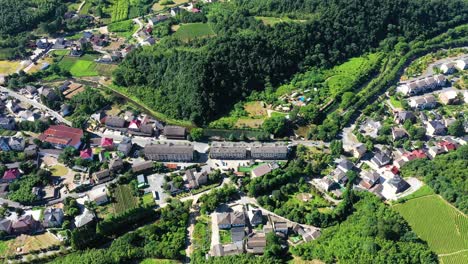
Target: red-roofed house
x=419 y=154
x=86 y=154
x=447 y=146
x=135 y=125
x=107 y=143
x=61 y=136
x=11 y=175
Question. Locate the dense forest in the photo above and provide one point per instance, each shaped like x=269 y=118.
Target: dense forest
x=446 y=174
x=202 y=79
x=374 y=233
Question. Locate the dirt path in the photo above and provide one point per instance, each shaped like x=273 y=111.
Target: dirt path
x=453 y=253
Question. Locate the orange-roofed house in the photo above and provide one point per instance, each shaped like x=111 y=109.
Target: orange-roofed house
x=86 y=154
x=61 y=136
x=107 y=143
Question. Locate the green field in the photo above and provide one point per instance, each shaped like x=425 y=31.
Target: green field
x=124 y=199
x=80 y=67
x=459 y=258
x=84 y=66
x=434 y=220
x=123 y=29
x=340 y=78
x=191 y=31
x=120 y=10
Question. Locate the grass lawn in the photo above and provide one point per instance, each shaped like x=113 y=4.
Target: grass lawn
x=395 y=102
x=58 y=170
x=225 y=236
x=124 y=199
x=159 y=7
x=202 y=234
x=3 y=247
x=8 y=67
x=80 y=67
x=249 y=169
x=434 y=220
x=63 y=52
x=148 y=199
x=190 y=31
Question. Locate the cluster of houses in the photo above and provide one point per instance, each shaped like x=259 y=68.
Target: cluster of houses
x=29 y=223
x=382 y=177
x=141 y=125
x=248 y=228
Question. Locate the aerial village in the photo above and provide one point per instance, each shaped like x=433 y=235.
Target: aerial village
x=79 y=171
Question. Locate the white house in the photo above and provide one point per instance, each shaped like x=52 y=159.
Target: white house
x=448 y=68
x=99 y=195
x=462 y=64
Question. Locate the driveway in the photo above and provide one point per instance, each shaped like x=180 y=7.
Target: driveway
x=155 y=182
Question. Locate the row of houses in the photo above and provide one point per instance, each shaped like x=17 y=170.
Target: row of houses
x=422 y=85
x=242 y=151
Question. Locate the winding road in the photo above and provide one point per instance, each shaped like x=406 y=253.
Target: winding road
x=36 y=104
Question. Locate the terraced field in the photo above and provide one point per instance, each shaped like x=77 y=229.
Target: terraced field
x=443 y=227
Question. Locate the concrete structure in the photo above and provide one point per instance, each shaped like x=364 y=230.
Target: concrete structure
x=228 y=150
x=169 y=152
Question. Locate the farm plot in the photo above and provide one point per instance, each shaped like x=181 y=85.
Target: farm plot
x=124 y=199
x=443 y=227
x=120 y=10
x=341 y=78
x=191 y=31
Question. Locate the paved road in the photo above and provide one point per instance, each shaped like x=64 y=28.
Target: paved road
x=51 y=112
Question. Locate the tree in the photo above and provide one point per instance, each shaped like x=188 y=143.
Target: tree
x=196 y=134
x=456 y=129
x=275 y=125
x=336 y=147
x=68 y=156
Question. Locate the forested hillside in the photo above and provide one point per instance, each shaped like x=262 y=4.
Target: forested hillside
x=202 y=79
x=24 y=15
x=374 y=233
